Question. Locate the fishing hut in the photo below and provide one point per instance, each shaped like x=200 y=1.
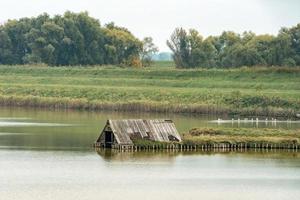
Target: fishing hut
x=121 y=134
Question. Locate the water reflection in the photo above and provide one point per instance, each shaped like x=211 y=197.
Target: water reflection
x=58 y=162
x=24 y=124
x=31 y=174
x=170 y=155
x=50 y=129
x=115 y=155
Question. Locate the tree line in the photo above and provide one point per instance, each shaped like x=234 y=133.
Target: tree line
x=71 y=39
x=230 y=49
x=78 y=39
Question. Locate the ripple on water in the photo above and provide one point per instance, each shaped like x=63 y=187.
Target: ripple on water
x=22 y=124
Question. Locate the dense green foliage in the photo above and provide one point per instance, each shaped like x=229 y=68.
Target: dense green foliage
x=249 y=91
x=230 y=49
x=78 y=39
x=71 y=39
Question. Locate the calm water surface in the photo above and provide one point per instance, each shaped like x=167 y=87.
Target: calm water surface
x=48 y=155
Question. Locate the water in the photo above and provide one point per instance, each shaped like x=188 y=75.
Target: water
x=42 y=129
x=48 y=155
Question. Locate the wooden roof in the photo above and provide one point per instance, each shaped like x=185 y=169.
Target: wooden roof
x=156 y=130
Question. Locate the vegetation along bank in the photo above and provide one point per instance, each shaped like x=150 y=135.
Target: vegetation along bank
x=162 y=88
x=243 y=138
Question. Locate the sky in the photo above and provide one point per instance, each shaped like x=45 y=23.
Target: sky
x=158 y=18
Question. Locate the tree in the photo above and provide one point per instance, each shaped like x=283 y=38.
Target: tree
x=121 y=46
x=230 y=49
x=294 y=39
x=148 y=50
x=71 y=39
x=6 y=56
x=16 y=31
x=190 y=50
x=179 y=44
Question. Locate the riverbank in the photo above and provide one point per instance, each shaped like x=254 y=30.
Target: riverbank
x=243 y=138
x=243 y=91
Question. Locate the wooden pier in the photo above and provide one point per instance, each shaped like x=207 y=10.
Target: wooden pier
x=205 y=147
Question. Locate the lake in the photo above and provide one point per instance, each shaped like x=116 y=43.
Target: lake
x=48 y=155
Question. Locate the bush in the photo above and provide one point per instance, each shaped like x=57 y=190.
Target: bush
x=289 y=62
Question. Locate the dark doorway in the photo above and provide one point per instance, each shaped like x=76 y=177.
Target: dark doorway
x=109 y=139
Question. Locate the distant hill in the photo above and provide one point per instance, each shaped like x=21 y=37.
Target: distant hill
x=162 y=56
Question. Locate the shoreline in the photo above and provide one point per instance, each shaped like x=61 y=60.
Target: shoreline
x=239 y=138
x=148 y=107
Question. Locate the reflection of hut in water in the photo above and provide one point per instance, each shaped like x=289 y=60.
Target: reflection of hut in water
x=146 y=155
x=122 y=133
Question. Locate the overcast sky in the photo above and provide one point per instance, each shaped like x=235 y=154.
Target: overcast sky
x=158 y=18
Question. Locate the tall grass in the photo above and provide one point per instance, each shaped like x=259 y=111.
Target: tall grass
x=245 y=91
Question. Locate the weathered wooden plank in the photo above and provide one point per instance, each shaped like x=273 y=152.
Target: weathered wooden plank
x=155 y=130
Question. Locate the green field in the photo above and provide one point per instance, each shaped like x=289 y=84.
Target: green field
x=162 y=88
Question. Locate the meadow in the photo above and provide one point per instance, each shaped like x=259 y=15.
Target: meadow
x=272 y=91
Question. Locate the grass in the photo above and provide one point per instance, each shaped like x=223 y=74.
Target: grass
x=161 y=88
x=248 y=136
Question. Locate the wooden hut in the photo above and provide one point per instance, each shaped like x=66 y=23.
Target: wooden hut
x=119 y=134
